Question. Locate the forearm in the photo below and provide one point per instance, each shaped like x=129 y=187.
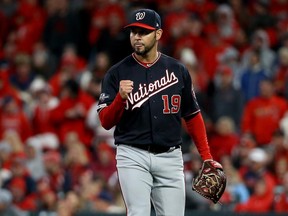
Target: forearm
x=111 y=115
x=197 y=131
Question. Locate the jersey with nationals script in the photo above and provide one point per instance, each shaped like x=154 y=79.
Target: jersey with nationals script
x=162 y=94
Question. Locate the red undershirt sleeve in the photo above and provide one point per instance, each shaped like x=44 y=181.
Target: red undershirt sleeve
x=111 y=115
x=197 y=131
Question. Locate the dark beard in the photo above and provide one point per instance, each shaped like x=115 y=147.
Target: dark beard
x=146 y=50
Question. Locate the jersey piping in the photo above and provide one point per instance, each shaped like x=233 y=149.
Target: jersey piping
x=146 y=65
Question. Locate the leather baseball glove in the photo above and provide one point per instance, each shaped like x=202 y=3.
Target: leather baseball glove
x=211 y=181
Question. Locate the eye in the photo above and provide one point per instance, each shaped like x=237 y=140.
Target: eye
x=141 y=31
x=145 y=32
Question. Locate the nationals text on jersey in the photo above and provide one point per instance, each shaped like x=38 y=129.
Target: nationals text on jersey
x=145 y=91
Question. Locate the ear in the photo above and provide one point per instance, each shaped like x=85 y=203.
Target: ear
x=159 y=34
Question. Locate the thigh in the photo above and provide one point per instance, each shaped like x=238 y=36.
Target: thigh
x=168 y=193
x=135 y=180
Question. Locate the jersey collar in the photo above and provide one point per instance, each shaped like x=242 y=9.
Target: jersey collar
x=144 y=64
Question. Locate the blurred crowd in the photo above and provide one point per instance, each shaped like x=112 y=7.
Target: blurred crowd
x=56 y=159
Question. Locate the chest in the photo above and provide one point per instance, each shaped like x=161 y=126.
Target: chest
x=157 y=84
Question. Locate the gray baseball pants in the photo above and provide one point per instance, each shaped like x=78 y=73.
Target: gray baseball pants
x=146 y=177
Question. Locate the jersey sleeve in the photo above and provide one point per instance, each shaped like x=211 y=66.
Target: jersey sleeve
x=189 y=105
x=110 y=88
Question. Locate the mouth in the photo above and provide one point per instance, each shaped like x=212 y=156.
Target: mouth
x=138 y=45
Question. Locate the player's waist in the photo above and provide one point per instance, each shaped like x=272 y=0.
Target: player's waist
x=155 y=149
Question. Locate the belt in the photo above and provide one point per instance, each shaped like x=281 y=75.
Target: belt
x=156 y=149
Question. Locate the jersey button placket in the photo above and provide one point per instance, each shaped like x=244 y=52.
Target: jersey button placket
x=150 y=80
x=154 y=118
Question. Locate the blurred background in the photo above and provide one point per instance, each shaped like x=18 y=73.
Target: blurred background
x=56 y=159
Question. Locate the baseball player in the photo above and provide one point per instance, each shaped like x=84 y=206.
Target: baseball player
x=145 y=95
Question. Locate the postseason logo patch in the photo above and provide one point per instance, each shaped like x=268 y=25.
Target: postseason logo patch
x=103 y=96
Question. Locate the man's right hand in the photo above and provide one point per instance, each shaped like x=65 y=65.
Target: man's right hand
x=126 y=87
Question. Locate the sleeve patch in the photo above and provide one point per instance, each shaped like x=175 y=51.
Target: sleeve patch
x=103 y=96
x=100 y=107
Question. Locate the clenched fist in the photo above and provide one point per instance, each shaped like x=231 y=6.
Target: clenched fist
x=126 y=87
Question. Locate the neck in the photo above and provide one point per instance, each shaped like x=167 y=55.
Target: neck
x=148 y=57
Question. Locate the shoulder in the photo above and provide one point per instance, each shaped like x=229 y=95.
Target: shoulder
x=119 y=67
x=173 y=64
x=280 y=100
x=171 y=61
x=126 y=62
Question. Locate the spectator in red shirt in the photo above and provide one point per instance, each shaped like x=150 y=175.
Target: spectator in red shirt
x=223 y=141
x=13 y=118
x=260 y=201
x=28 y=25
x=104 y=163
x=92 y=118
x=279 y=155
x=213 y=48
x=47 y=198
x=47 y=201
x=101 y=15
x=191 y=36
x=281 y=200
x=112 y=37
x=204 y=8
x=262 y=114
x=12 y=145
x=197 y=73
x=76 y=160
x=21 y=184
x=175 y=22
x=70 y=67
x=44 y=103
x=226 y=23
x=56 y=178
x=259 y=181
x=200 y=80
x=22 y=200
x=278 y=8
x=257 y=169
x=70 y=114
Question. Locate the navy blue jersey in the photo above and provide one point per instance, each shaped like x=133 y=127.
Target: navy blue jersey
x=162 y=94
